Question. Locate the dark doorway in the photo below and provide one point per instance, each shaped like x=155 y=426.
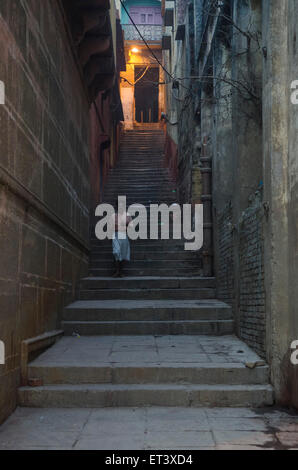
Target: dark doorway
x=146 y=94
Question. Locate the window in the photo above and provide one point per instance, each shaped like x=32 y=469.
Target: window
x=146 y=15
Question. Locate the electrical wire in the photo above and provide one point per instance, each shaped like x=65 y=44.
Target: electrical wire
x=143 y=74
x=149 y=48
x=145 y=42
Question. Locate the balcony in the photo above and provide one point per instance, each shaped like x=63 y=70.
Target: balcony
x=150 y=32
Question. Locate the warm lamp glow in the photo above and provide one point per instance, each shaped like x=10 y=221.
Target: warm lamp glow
x=135 y=50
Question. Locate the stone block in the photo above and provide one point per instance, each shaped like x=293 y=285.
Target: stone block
x=49 y=309
x=4 y=136
x=29 y=312
x=66 y=266
x=10 y=248
x=9 y=300
x=33 y=252
x=8 y=393
x=53 y=264
x=17 y=20
x=38 y=63
x=28 y=166
x=52 y=140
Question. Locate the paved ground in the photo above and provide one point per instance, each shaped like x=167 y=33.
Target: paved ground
x=150 y=428
x=99 y=350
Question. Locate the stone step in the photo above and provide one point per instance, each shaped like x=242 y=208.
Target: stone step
x=146 y=264
x=137 y=192
x=147 y=310
x=139 y=175
x=147 y=283
x=146 y=373
x=106 y=255
x=142 y=248
x=147 y=294
x=141 y=172
x=139 y=249
x=145 y=142
x=136 y=200
x=182 y=327
x=161 y=272
x=128 y=166
x=146 y=155
x=116 y=395
x=140 y=252
x=142 y=185
x=149 y=157
x=148 y=245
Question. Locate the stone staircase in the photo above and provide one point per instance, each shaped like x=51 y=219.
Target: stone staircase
x=158 y=336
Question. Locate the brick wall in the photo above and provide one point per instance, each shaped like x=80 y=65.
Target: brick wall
x=246 y=292
x=251 y=276
x=44 y=178
x=225 y=262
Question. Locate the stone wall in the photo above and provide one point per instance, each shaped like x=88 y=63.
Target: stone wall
x=280 y=128
x=44 y=178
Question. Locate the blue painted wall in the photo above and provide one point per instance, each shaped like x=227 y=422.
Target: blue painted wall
x=134 y=3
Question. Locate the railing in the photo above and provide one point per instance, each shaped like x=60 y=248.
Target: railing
x=149 y=32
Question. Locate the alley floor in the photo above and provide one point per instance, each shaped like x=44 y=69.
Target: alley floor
x=148 y=349
x=157 y=428
x=110 y=360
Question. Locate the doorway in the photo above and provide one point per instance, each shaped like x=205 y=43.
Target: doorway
x=146 y=94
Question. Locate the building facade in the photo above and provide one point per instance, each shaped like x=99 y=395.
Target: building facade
x=142 y=89
x=59 y=69
x=229 y=115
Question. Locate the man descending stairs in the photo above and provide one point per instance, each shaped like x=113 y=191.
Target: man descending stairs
x=158 y=336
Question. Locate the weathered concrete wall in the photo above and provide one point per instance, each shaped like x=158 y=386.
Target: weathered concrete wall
x=237 y=169
x=252 y=136
x=292 y=379
x=219 y=116
x=181 y=105
x=281 y=194
x=44 y=178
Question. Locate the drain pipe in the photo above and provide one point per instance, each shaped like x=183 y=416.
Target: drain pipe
x=206 y=171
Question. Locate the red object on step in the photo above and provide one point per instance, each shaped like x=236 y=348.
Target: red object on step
x=35 y=382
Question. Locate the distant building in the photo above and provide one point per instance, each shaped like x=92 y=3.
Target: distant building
x=142 y=91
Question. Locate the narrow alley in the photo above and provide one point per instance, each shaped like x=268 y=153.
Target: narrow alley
x=153 y=343
x=146 y=347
